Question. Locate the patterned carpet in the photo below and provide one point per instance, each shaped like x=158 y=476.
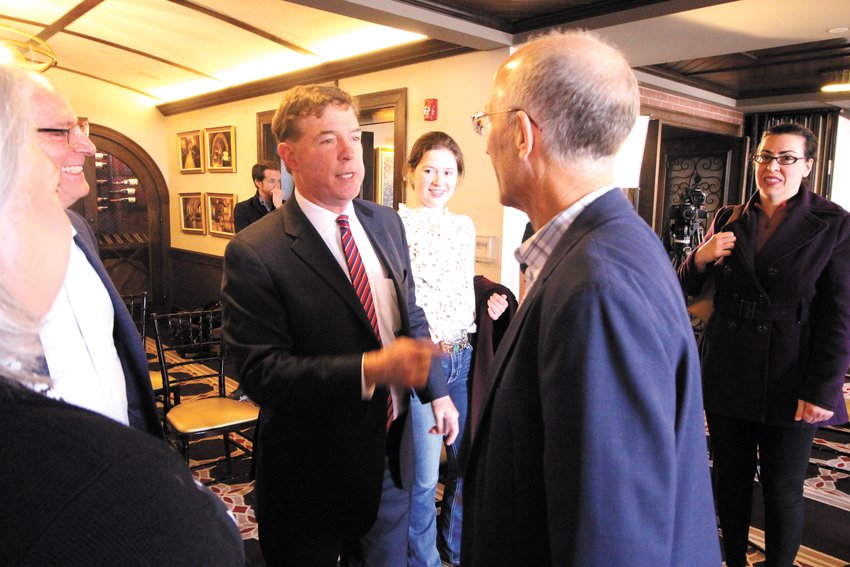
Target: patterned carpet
x=826 y=540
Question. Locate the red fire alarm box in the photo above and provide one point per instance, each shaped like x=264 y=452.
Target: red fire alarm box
x=430 y=110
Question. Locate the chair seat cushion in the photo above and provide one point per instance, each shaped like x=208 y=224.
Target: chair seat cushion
x=209 y=414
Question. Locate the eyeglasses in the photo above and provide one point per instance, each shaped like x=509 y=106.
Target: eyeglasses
x=80 y=129
x=784 y=159
x=481 y=120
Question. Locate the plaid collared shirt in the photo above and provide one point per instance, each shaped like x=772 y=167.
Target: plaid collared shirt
x=536 y=250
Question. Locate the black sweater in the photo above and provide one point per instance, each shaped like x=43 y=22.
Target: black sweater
x=82 y=489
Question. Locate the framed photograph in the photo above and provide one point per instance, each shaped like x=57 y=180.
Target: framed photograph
x=220 y=213
x=384 y=159
x=221 y=149
x=192 y=213
x=190 y=148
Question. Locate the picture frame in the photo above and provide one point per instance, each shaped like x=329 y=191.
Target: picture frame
x=221 y=149
x=384 y=176
x=190 y=151
x=192 y=213
x=220 y=214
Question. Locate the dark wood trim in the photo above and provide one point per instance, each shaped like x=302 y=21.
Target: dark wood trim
x=196 y=279
x=263 y=118
x=242 y=25
x=68 y=18
x=417 y=52
x=397 y=100
x=692 y=122
x=649 y=170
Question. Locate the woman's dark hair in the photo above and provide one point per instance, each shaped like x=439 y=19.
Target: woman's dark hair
x=434 y=141
x=811 y=141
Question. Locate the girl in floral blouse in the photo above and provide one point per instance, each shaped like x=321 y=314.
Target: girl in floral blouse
x=442 y=255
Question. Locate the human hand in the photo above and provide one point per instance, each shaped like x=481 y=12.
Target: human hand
x=404 y=362
x=496 y=305
x=277 y=197
x=446 y=419
x=810 y=413
x=719 y=245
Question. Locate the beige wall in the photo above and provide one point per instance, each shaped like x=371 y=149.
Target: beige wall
x=461 y=84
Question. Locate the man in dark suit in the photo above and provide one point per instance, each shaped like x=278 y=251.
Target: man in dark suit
x=91 y=344
x=330 y=471
x=590 y=448
x=268 y=197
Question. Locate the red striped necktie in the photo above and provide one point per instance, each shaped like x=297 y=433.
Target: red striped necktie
x=360 y=281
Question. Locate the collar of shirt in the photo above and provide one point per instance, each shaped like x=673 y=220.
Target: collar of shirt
x=269 y=207
x=536 y=250
x=383 y=290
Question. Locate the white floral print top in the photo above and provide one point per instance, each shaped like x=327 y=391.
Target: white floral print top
x=442 y=255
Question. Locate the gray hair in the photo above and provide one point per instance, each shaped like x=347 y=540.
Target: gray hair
x=580 y=91
x=20 y=347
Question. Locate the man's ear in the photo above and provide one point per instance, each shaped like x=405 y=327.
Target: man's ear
x=258 y=184
x=287 y=155
x=524 y=135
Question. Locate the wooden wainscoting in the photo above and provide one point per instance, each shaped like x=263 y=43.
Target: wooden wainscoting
x=196 y=279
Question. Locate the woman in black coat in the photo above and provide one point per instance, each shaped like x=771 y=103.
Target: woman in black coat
x=776 y=350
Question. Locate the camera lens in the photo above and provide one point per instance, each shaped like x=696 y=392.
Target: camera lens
x=688 y=213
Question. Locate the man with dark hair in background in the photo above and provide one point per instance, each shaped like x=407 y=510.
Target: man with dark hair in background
x=268 y=197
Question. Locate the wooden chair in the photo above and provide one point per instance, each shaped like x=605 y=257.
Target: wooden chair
x=137 y=305
x=190 y=350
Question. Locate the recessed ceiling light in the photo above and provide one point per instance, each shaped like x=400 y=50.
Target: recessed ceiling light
x=841 y=29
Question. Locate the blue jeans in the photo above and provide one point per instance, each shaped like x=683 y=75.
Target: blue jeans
x=422 y=534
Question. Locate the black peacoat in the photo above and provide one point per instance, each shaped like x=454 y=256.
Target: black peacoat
x=781 y=326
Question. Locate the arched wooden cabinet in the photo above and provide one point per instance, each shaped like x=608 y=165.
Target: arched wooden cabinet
x=127 y=208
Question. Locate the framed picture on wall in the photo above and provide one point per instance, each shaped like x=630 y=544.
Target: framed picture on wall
x=192 y=213
x=221 y=149
x=220 y=213
x=190 y=149
x=384 y=176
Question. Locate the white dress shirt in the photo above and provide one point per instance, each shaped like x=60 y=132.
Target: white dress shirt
x=383 y=291
x=77 y=336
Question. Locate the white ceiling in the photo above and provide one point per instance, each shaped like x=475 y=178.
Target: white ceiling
x=155 y=47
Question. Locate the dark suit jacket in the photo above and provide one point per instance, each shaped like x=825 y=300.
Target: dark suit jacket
x=247 y=212
x=756 y=368
x=297 y=331
x=591 y=448
x=487 y=337
x=141 y=405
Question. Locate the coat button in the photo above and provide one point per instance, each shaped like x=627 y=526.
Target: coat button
x=727 y=269
x=762 y=329
x=731 y=325
x=772 y=272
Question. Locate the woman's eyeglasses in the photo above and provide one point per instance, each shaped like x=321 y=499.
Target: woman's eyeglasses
x=784 y=159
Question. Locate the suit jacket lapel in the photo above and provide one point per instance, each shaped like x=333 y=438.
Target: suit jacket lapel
x=605 y=207
x=795 y=232
x=309 y=246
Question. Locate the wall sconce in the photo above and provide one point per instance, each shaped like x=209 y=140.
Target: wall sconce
x=835 y=81
x=25 y=50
